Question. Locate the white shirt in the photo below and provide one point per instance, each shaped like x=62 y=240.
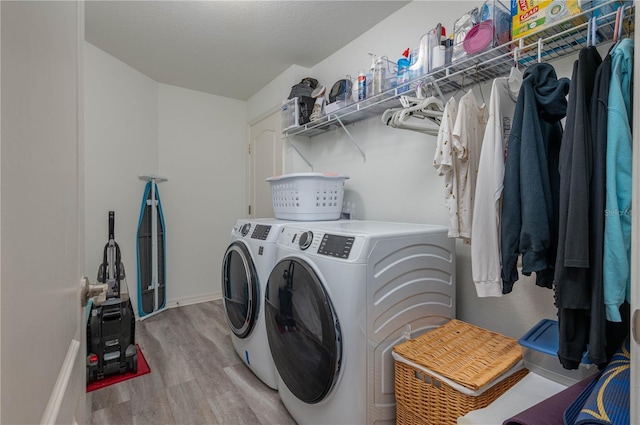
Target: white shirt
x=485 y=233
x=468 y=133
x=444 y=163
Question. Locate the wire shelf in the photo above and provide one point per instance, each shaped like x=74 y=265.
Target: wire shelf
x=564 y=38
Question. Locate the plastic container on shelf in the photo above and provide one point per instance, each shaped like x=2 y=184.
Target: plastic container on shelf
x=379 y=76
x=422 y=57
x=402 y=77
x=461 y=27
x=290 y=114
x=438 y=56
x=307 y=196
x=492 y=29
x=296 y=111
x=540 y=353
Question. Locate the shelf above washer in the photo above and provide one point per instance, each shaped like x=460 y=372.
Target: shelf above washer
x=564 y=38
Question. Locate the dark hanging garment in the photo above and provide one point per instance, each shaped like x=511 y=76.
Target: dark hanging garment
x=529 y=220
x=599 y=106
x=572 y=289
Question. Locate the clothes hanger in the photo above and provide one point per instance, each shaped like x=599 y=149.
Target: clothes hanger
x=429 y=109
x=430 y=106
x=621 y=25
x=410 y=101
x=429 y=128
x=515 y=75
x=387 y=116
x=617 y=29
x=540 y=44
x=420 y=87
x=460 y=87
x=479 y=85
x=592 y=28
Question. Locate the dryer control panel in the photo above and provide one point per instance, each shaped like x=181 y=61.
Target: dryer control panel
x=336 y=246
x=313 y=242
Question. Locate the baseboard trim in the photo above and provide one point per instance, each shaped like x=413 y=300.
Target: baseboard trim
x=194 y=300
x=52 y=410
x=179 y=302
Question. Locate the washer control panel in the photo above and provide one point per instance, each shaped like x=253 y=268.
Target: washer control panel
x=261 y=232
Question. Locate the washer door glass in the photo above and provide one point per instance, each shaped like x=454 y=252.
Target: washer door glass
x=240 y=289
x=303 y=330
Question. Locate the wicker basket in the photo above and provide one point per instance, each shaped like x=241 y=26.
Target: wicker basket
x=452 y=370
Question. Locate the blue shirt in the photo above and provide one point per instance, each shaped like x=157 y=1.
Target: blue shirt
x=617 y=227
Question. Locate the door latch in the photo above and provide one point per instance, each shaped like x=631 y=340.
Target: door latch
x=635 y=326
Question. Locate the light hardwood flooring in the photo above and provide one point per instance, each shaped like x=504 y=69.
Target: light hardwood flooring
x=196 y=377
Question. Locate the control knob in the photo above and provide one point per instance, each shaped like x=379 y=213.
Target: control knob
x=305 y=240
x=245 y=229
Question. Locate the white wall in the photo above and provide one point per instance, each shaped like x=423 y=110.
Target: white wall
x=121 y=142
x=398 y=182
x=136 y=126
x=202 y=149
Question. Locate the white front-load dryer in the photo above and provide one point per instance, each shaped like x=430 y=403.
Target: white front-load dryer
x=246 y=266
x=339 y=298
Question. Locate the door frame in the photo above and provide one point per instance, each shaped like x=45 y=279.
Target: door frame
x=249 y=175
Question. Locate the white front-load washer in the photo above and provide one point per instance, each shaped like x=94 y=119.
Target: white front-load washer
x=339 y=298
x=246 y=266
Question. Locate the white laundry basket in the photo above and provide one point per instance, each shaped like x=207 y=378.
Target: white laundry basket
x=307 y=196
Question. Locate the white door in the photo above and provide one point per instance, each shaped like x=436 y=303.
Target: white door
x=41 y=214
x=265 y=159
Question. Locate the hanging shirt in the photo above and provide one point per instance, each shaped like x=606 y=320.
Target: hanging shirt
x=444 y=163
x=468 y=132
x=485 y=232
x=529 y=216
x=572 y=286
x=598 y=340
x=617 y=227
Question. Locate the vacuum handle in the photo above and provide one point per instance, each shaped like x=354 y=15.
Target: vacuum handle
x=112 y=217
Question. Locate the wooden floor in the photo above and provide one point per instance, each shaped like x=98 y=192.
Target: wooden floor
x=196 y=377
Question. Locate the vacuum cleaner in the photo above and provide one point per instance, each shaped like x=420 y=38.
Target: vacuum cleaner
x=111 y=346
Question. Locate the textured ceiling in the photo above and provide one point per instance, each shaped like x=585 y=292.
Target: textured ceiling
x=227 y=48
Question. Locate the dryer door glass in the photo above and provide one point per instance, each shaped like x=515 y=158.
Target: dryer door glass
x=303 y=330
x=240 y=289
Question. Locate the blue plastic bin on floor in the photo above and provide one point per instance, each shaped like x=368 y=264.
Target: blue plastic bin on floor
x=540 y=352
